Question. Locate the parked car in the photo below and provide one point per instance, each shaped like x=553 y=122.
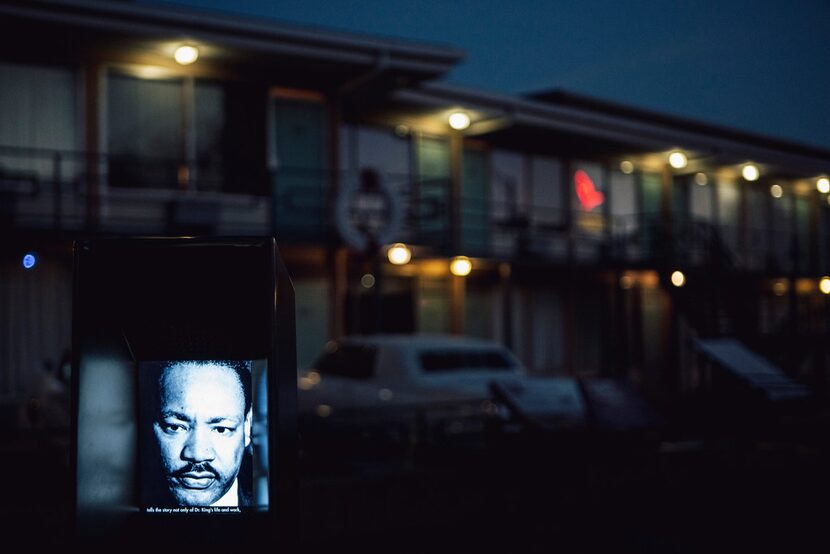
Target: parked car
x=395 y=378
x=375 y=400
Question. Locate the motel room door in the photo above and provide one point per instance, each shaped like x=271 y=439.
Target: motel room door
x=300 y=181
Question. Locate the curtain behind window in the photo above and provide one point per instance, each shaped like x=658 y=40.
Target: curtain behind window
x=37 y=111
x=209 y=127
x=145 y=138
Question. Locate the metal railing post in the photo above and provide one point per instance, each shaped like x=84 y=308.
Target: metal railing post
x=57 y=190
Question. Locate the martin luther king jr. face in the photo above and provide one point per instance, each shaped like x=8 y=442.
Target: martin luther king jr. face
x=202 y=429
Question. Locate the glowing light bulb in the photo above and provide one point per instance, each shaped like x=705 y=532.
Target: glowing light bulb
x=824 y=285
x=678 y=279
x=399 y=254
x=823 y=185
x=750 y=172
x=626 y=167
x=678 y=160
x=186 y=55
x=461 y=266
x=701 y=179
x=459 y=121
x=776 y=191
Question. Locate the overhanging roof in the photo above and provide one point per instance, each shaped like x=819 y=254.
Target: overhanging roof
x=566 y=98
x=248 y=34
x=618 y=126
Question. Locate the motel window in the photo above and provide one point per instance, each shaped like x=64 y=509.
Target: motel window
x=433 y=158
x=547 y=207
x=508 y=200
x=508 y=186
x=623 y=204
x=475 y=195
x=299 y=161
x=757 y=231
x=701 y=202
x=299 y=135
x=728 y=198
x=433 y=305
x=38 y=119
x=383 y=151
x=146 y=132
x=651 y=185
x=433 y=193
x=209 y=130
x=694 y=205
x=781 y=222
x=546 y=194
x=651 y=201
x=184 y=133
x=680 y=200
x=481 y=311
x=802 y=230
x=546 y=329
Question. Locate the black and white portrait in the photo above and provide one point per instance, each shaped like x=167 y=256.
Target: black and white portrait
x=197 y=433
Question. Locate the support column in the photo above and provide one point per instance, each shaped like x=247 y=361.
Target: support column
x=187 y=167
x=743 y=217
x=338 y=256
x=571 y=323
x=333 y=157
x=814 y=239
x=671 y=361
x=666 y=215
x=456 y=152
x=94 y=107
x=457 y=301
x=339 y=279
x=569 y=220
x=505 y=272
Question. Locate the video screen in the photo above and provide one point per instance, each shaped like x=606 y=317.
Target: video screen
x=203 y=442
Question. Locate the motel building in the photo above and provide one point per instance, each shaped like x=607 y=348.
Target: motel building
x=590 y=238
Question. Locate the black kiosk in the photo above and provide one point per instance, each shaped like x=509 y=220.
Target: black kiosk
x=184 y=380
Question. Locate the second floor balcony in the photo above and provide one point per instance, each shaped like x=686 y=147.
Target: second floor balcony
x=82 y=192
x=75 y=192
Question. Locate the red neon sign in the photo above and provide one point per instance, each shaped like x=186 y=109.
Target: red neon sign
x=588 y=195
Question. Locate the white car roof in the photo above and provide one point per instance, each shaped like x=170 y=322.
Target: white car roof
x=407 y=347
x=420 y=341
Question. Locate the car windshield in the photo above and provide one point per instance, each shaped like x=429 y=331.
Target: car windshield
x=353 y=361
x=458 y=360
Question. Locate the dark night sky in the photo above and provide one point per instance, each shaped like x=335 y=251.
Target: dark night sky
x=761 y=66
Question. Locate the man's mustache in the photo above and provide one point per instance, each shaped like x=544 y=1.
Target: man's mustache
x=200 y=467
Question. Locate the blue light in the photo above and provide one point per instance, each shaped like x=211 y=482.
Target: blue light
x=29 y=261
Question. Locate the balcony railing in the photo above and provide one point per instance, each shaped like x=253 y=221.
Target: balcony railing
x=305 y=208
x=70 y=191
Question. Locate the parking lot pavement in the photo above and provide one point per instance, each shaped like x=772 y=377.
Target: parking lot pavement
x=526 y=492
x=693 y=496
